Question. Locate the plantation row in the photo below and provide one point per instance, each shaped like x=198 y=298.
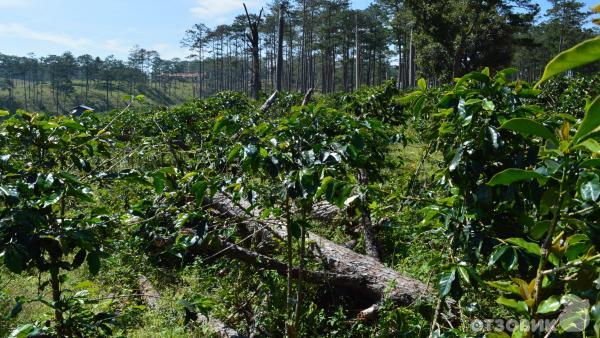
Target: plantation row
x=375 y=213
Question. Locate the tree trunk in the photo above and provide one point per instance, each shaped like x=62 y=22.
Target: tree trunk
x=371 y=246
x=356 y=55
x=279 y=65
x=254 y=41
x=345 y=268
x=56 y=299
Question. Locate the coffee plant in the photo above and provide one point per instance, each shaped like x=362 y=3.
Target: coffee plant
x=211 y=212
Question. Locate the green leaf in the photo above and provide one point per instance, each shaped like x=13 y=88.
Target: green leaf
x=519 y=306
x=463 y=273
x=8 y=192
x=326 y=183
x=532 y=248
x=296 y=227
x=14 y=258
x=590 y=190
x=576 y=315
x=93 y=262
x=590 y=144
x=422 y=84
x=488 y=105
x=549 y=305
x=4 y=113
x=539 y=229
x=530 y=127
x=580 y=55
x=591 y=121
x=158 y=183
x=456 y=159
x=73 y=125
x=513 y=175
x=595 y=311
x=549 y=198
x=341 y=193
x=199 y=189
x=521 y=330
x=234 y=152
x=51 y=200
x=79 y=258
x=498 y=252
x=505 y=286
x=446 y=280
x=593 y=163
x=22 y=331
x=182 y=220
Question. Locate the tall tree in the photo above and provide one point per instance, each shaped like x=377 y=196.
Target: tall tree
x=280 y=33
x=253 y=40
x=89 y=69
x=195 y=39
x=473 y=33
x=566 y=18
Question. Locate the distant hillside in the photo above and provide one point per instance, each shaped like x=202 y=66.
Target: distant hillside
x=40 y=96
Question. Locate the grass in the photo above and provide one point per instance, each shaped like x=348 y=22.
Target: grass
x=96 y=96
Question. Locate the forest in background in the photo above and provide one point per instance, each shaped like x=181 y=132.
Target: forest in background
x=325 y=45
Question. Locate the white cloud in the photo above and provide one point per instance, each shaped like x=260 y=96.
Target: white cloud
x=221 y=11
x=22 y=32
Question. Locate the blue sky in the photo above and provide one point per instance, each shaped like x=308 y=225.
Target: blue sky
x=104 y=27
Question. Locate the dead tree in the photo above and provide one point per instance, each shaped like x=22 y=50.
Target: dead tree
x=253 y=43
x=307 y=97
x=343 y=268
x=270 y=101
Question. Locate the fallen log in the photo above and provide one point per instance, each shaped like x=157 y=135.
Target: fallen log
x=233 y=250
x=217 y=327
x=367 y=276
x=148 y=293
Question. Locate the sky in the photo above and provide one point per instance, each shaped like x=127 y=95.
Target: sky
x=113 y=27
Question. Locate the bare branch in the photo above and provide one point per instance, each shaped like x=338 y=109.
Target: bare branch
x=307 y=97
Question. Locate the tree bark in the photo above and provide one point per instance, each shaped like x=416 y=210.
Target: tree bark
x=356 y=55
x=148 y=293
x=254 y=41
x=307 y=97
x=371 y=246
x=270 y=101
x=279 y=65
x=361 y=274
